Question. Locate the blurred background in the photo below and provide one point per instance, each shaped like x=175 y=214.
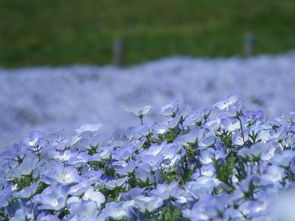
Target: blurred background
x=60 y=32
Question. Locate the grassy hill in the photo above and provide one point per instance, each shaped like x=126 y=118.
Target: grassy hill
x=57 y=32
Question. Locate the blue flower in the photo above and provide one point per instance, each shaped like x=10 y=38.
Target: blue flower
x=53 y=197
x=95 y=196
x=91 y=128
x=116 y=210
x=61 y=174
x=83 y=209
x=147 y=203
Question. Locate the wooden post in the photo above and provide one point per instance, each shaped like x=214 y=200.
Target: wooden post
x=118 y=52
x=249 y=44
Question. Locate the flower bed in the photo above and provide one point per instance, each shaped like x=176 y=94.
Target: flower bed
x=218 y=163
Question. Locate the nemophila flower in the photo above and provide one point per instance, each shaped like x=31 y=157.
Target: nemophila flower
x=116 y=210
x=61 y=174
x=284 y=158
x=127 y=168
x=5 y=195
x=161 y=128
x=57 y=141
x=113 y=183
x=27 y=191
x=208 y=170
x=195 y=116
x=74 y=140
x=207 y=141
x=254 y=208
x=22 y=214
x=150 y=162
x=83 y=209
x=28 y=164
x=222 y=164
x=95 y=196
x=102 y=153
x=213 y=124
x=254 y=115
x=193 y=135
x=206 y=156
x=203 y=184
x=273 y=177
x=170 y=155
x=124 y=152
x=53 y=197
x=254 y=152
x=88 y=128
x=206 y=208
x=170 y=109
x=132 y=193
x=34 y=138
x=164 y=191
x=230 y=124
x=80 y=188
x=47 y=217
x=147 y=203
x=153 y=150
x=79 y=158
x=62 y=155
x=240 y=138
x=140 y=112
x=181 y=196
x=227 y=103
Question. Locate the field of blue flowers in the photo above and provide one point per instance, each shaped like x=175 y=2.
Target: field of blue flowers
x=221 y=163
x=63 y=98
x=224 y=161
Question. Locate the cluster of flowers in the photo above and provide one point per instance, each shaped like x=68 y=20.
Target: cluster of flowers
x=102 y=93
x=219 y=163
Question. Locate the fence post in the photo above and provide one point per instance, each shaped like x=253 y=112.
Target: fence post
x=118 y=52
x=249 y=44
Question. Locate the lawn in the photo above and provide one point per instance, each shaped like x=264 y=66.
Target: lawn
x=60 y=32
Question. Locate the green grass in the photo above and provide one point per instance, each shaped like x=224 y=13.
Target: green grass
x=58 y=32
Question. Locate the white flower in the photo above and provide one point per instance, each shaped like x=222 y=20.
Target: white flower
x=227 y=103
x=149 y=203
x=87 y=128
x=140 y=112
x=93 y=195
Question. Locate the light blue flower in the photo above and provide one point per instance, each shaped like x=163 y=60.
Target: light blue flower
x=170 y=109
x=61 y=174
x=113 y=183
x=26 y=167
x=83 y=209
x=53 y=197
x=95 y=196
x=91 y=128
x=5 y=196
x=116 y=210
x=228 y=103
x=27 y=191
x=147 y=203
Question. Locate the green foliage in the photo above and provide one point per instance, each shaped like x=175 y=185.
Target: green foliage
x=170 y=175
x=168 y=212
x=58 y=32
x=92 y=150
x=170 y=135
x=41 y=187
x=224 y=170
x=24 y=181
x=112 y=195
x=226 y=138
